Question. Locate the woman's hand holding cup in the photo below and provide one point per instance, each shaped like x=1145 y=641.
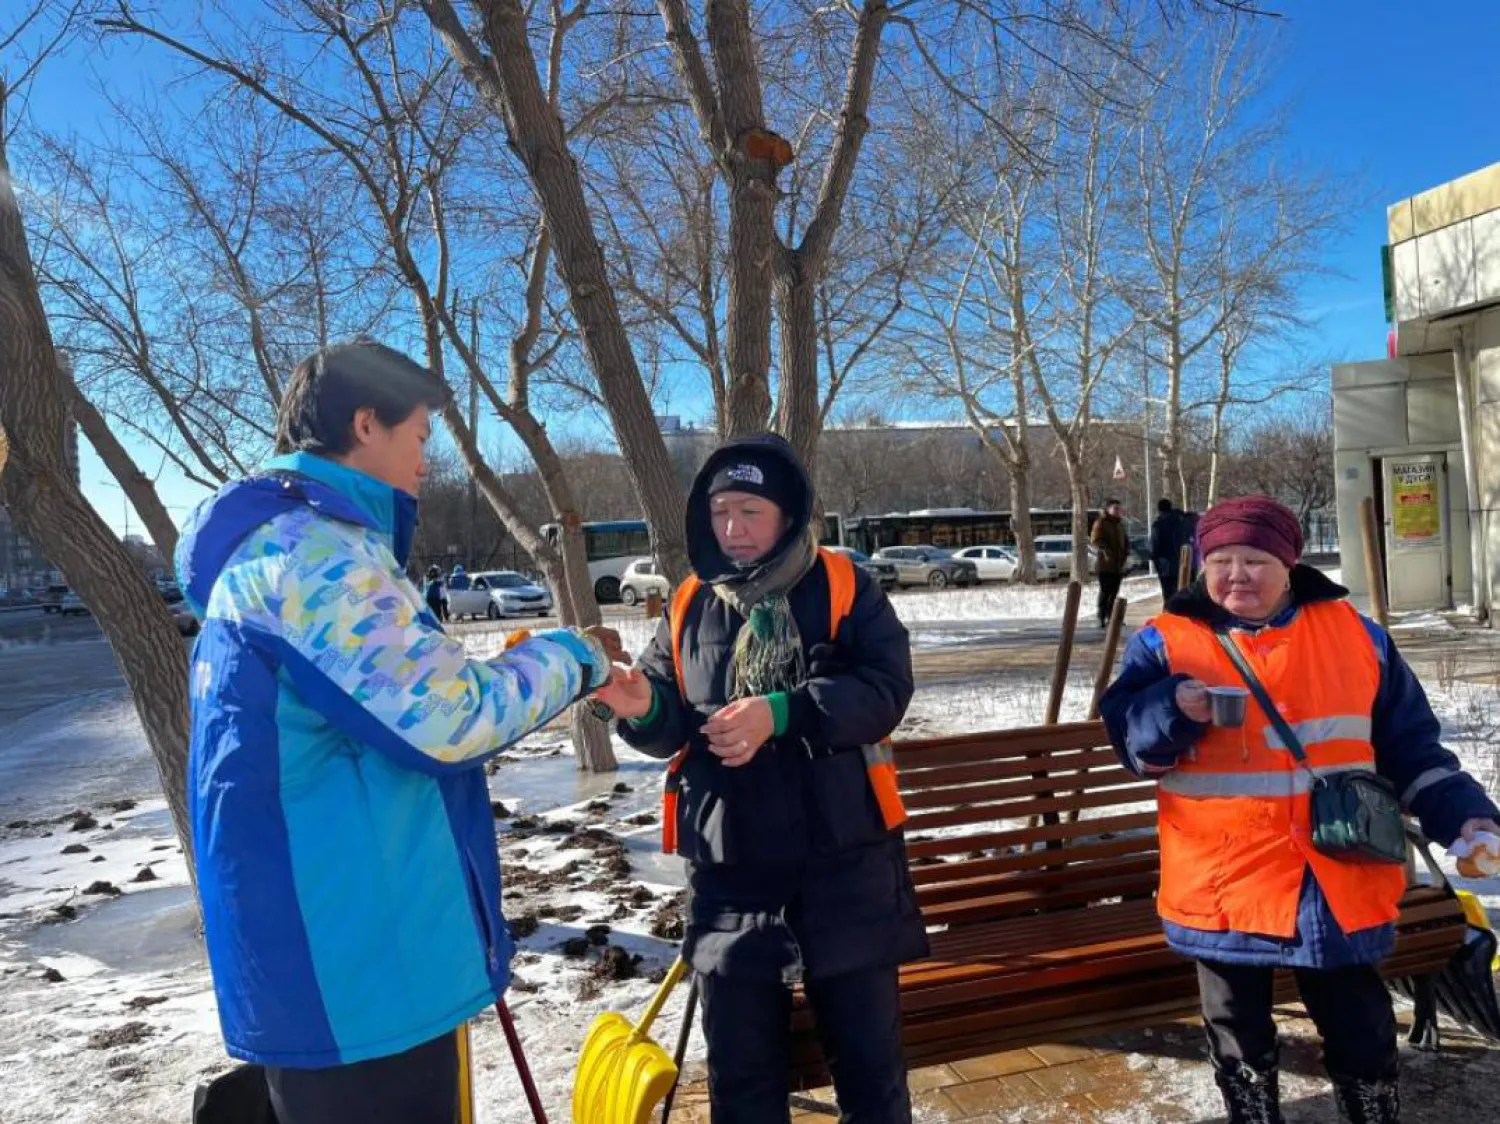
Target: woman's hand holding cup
x=1192 y=700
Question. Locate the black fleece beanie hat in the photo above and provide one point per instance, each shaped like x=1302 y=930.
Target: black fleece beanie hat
x=761 y=474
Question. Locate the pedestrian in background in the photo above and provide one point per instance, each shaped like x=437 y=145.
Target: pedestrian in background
x=1168 y=534
x=1112 y=540
x=436 y=594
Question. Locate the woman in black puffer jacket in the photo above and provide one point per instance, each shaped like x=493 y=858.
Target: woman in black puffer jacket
x=794 y=671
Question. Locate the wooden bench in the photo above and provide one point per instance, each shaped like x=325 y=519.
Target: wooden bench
x=1035 y=858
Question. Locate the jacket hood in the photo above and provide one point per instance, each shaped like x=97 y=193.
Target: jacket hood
x=1309 y=586
x=709 y=562
x=221 y=523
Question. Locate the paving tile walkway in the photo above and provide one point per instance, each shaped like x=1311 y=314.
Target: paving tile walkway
x=1161 y=1074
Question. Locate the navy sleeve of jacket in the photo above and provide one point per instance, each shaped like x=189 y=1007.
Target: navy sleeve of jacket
x=1409 y=750
x=1140 y=709
x=857 y=688
x=667 y=731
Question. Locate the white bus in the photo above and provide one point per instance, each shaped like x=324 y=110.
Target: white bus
x=609 y=547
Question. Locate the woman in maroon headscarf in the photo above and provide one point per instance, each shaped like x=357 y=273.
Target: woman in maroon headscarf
x=1243 y=889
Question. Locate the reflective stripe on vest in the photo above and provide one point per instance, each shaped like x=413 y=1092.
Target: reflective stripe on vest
x=1236 y=831
x=1278 y=782
x=880 y=760
x=1316 y=731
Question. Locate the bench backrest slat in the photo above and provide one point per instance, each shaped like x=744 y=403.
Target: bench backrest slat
x=926 y=753
x=1051 y=801
x=1056 y=780
x=963 y=869
x=922 y=847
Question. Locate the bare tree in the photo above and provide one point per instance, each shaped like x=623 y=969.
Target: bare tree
x=1202 y=173
x=37 y=488
x=107 y=268
x=399 y=138
x=1086 y=167
x=1290 y=457
x=508 y=79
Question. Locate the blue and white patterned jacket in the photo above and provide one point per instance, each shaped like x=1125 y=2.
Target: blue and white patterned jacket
x=342 y=828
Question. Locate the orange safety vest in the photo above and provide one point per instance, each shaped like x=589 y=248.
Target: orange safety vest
x=880 y=759
x=1235 y=811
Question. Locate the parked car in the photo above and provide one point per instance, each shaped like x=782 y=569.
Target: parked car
x=878 y=568
x=499 y=593
x=641 y=577
x=994 y=563
x=1140 y=555
x=929 y=566
x=51 y=598
x=1057 y=552
x=72 y=604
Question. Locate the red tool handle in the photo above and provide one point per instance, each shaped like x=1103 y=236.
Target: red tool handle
x=533 y=1098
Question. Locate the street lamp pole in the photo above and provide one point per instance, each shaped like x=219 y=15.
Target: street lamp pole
x=124 y=505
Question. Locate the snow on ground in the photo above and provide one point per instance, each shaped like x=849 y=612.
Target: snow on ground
x=106 y=1008
x=935 y=618
x=1007 y=603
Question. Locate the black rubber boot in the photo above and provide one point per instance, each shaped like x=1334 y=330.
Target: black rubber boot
x=1368 y=1102
x=1250 y=1097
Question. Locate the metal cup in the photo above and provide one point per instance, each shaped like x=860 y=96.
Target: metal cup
x=1228 y=704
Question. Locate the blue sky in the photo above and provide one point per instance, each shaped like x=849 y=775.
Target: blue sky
x=1392 y=97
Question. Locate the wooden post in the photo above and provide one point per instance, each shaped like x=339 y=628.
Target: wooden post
x=1107 y=660
x=1064 y=652
x=1369 y=531
x=1106 y=669
x=1059 y=684
x=653 y=605
x=1185 y=566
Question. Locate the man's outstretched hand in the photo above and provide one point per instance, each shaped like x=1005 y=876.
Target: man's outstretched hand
x=610 y=640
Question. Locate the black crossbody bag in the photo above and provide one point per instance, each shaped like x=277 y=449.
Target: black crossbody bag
x=1356 y=816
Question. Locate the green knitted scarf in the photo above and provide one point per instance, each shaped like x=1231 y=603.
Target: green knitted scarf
x=768 y=654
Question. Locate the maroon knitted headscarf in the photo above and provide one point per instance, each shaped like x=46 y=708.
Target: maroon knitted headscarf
x=1254 y=521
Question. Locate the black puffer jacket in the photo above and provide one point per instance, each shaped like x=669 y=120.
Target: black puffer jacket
x=791 y=866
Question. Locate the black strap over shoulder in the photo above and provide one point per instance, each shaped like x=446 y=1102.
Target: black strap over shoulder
x=1283 y=728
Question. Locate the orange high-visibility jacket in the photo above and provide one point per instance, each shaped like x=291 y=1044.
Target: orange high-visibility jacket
x=1235 y=811
x=880 y=759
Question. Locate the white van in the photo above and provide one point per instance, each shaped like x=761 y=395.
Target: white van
x=1057 y=552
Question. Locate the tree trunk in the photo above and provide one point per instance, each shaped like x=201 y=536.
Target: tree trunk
x=592 y=748
x=1020 y=520
x=37 y=488
x=752 y=217
x=752 y=210
x=799 y=410
x=511 y=85
x=1172 y=480
x=138 y=487
x=1221 y=405
x=1216 y=453
x=494 y=492
x=1078 y=489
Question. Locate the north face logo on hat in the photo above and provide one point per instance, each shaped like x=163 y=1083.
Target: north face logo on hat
x=745 y=474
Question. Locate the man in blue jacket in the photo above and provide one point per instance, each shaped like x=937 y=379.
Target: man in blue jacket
x=342 y=829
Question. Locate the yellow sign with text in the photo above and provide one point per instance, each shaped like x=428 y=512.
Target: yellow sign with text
x=1416 y=510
